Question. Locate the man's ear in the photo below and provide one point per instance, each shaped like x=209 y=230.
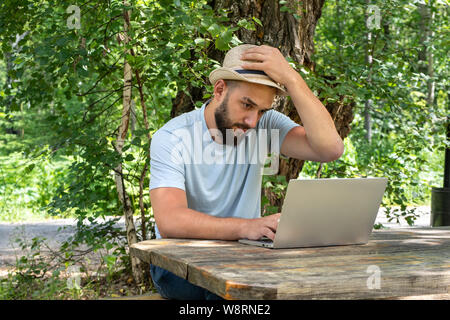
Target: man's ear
x=220 y=88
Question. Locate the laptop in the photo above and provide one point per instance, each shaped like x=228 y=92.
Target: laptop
x=326 y=212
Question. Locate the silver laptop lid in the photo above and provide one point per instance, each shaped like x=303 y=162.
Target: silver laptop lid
x=322 y=212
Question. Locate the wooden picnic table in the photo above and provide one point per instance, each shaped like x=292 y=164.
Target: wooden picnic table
x=395 y=263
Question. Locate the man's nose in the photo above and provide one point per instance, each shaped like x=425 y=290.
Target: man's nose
x=251 y=119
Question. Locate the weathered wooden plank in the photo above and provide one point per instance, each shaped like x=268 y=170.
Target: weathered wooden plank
x=326 y=277
x=165 y=253
x=238 y=251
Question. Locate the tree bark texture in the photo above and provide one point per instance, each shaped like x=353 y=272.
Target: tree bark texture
x=425 y=54
x=369 y=62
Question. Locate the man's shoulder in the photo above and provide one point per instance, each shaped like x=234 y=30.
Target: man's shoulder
x=175 y=125
x=266 y=118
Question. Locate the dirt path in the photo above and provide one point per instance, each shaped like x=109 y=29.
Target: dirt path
x=54 y=231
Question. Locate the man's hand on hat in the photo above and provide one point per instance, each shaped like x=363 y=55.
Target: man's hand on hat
x=272 y=62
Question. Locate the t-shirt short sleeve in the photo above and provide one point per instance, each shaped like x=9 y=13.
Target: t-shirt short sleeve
x=278 y=121
x=166 y=165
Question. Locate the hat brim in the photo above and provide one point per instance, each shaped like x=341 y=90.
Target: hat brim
x=229 y=74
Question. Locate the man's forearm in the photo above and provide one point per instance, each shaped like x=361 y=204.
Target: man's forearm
x=319 y=126
x=188 y=223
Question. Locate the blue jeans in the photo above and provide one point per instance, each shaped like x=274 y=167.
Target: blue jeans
x=173 y=287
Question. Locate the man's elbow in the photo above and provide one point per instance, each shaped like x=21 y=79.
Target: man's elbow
x=162 y=232
x=334 y=152
x=165 y=230
x=162 y=224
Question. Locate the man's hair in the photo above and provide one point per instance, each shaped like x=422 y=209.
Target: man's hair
x=232 y=84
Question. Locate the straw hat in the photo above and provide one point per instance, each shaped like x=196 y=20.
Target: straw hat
x=232 y=70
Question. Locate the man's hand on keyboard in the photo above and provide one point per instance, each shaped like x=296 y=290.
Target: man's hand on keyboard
x=254 y=229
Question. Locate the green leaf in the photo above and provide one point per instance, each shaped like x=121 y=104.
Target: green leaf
x=186 y=54
x=222 y=43
x=199 y=41
x=257 y=21
x=136 y=141
x=214 y=30
x=29 y=168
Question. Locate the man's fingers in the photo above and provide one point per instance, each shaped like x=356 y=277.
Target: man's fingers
x=269 y=234
x=277 y=216
x=277 y=220
x=259 y=49
x=273 y=221
x=264 y=226
x=253 y=56
x=253 y=65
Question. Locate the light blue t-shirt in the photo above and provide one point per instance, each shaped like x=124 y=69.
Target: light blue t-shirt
x=219 y=179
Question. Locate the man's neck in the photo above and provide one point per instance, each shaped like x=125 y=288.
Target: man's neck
x=209 y=115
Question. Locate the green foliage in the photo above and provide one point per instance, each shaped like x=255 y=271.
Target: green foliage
x=69 y=81
x=27 y=186
x=278 y=185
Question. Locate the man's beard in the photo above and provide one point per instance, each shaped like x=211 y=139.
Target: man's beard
x=224 y=124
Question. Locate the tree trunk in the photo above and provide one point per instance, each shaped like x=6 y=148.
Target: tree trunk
x=339 y=25
x=387 y=39
x=9 y=59
x=294 y=38
x=136 y=266
x=447 y=155
x=425 y=63
x=369 y=61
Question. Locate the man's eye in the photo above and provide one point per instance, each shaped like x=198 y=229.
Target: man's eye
x=247 y=105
